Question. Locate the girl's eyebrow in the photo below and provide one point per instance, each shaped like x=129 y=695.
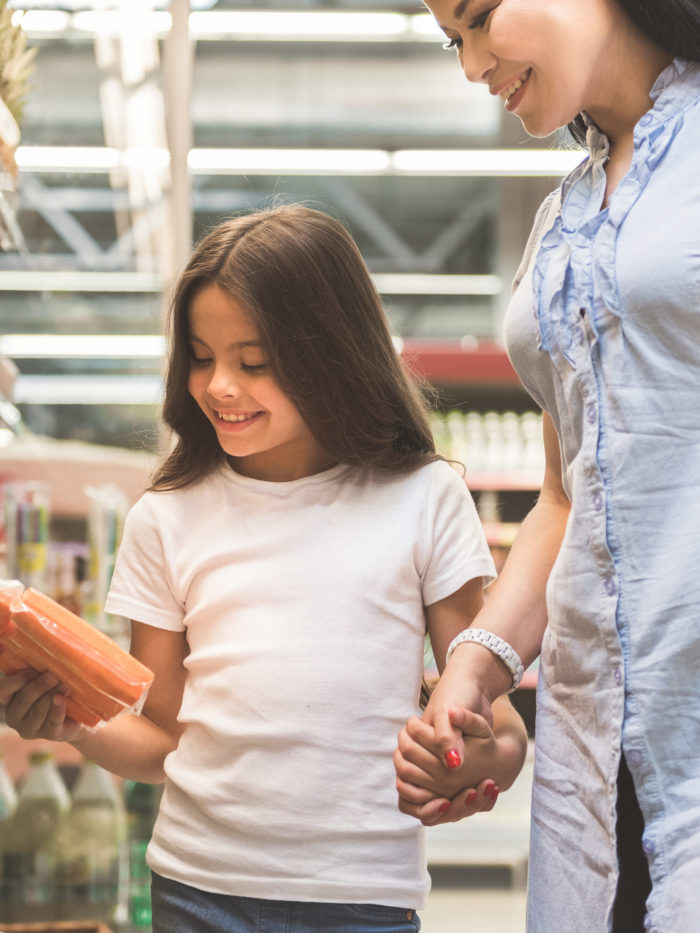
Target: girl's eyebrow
x=239 y=345
x=459 y=10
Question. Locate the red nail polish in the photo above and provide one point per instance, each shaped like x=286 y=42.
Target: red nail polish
x=452 y=759
x=471 y=797
x=489 y=788
x=495 y=794
x=443 y=808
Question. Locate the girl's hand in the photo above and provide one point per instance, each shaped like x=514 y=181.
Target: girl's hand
x=438 y=810
x=35 y=708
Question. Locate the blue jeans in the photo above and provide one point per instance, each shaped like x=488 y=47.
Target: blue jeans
x=179 y=908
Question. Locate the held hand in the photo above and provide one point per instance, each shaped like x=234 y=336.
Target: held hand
x=455 y=690
x=34 y=708
x=429 y=791
x=435 y=810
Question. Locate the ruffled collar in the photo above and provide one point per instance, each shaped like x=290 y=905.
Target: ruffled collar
x=674 y=90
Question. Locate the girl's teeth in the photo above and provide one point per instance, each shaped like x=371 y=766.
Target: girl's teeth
x=225 y=417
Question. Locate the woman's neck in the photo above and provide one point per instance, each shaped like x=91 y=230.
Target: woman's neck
x=622 y=94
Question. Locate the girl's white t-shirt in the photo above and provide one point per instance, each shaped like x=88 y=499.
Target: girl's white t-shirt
x=303 y=604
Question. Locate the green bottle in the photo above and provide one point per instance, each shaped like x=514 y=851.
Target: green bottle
x=141 y=801
x=8 y=805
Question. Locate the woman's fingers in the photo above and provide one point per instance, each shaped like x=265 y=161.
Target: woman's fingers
x=470 y=723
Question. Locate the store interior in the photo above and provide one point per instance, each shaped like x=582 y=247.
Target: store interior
x=140 y=125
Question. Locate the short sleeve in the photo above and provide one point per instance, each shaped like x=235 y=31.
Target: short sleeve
x=458 y=551
x=141 y=586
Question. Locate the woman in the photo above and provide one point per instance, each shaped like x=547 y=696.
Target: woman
x=603 y=329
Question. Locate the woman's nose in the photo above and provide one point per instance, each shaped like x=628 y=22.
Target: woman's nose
x=477 y=62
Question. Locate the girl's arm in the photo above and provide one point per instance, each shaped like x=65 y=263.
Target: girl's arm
x=515 y=609
x=130 y=746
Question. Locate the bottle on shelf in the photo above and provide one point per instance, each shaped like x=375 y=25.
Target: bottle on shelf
x=141 y=801
x=8 y=804
x=92 y=871
x=30 y=850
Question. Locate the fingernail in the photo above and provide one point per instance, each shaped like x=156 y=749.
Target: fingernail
x=452 y=759
x=443 y=808
x=495 y=794
x=489 y=788
x=471 y=797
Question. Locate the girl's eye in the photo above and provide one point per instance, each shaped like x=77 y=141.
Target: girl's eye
x=199 y=360
x=253 y=367
x=453 y=44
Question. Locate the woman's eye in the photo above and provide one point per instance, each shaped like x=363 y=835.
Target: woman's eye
x=453 y=44
x=480 y=19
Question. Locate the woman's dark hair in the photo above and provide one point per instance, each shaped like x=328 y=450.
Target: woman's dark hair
x=302 y=279
x=673 y=25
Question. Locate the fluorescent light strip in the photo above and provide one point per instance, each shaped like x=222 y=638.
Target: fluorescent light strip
x=417 y=284
x=259 y=25
x=291 y=161
x=88 y=390
x=485 y=161
x=82 y=346
x=480 y=162
x=28 y=280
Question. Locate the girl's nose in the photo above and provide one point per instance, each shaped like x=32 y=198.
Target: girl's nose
x=223 y=383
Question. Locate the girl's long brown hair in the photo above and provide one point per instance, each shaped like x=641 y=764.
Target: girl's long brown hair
x=301 y=277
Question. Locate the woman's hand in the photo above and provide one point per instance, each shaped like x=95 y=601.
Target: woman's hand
x=35 y=708
x=431 y=792
x=457 y=690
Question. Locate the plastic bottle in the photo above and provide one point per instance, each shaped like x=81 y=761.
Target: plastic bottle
x=30 y=844
x=141 y=802
x=92 y=840
x=8 y=804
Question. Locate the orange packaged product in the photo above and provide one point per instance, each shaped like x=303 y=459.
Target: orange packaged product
x=100 y=678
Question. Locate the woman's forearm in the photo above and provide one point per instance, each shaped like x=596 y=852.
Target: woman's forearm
x=516 y=608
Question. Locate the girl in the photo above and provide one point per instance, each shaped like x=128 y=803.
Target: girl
x=280 y=574
x=603 y=328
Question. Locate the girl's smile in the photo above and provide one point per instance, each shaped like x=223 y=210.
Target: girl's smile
x=234 y=421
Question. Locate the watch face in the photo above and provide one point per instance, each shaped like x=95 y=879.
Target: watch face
x=9 y=131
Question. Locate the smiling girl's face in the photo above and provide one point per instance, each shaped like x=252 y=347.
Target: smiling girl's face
x=547 y=60
x=231 y=380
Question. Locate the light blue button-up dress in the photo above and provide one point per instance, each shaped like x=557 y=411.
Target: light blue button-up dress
x=604 y=331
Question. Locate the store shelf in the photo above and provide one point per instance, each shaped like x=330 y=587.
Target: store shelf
x=452 y=362
x=507 y=481
x=68 y=467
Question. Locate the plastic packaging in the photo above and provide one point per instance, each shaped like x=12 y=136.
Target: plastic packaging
x=100 y=679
